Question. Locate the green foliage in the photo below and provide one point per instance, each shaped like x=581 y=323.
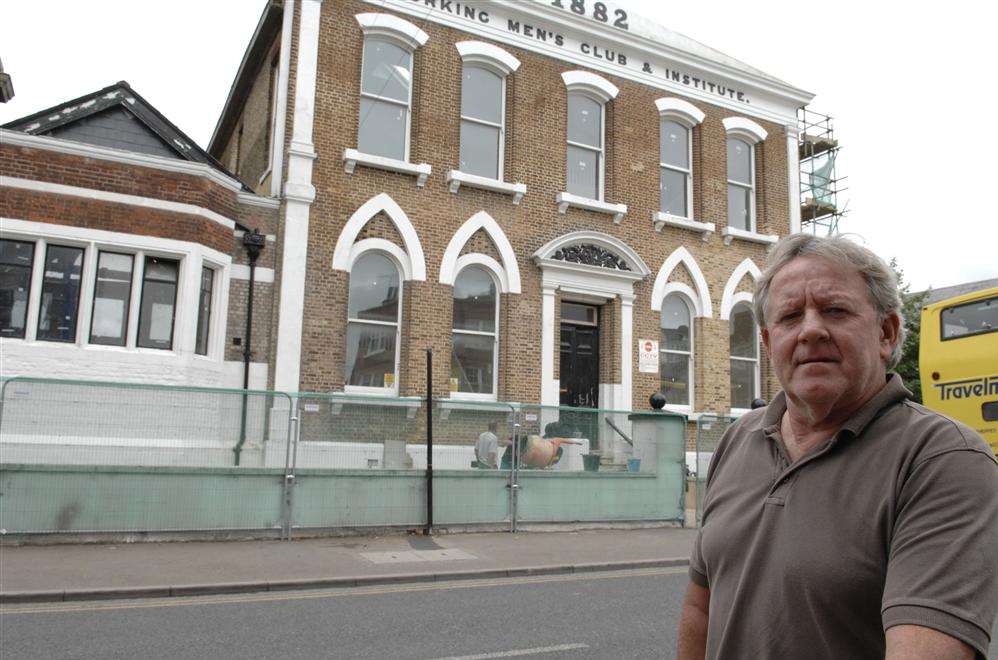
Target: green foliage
x=911 y=310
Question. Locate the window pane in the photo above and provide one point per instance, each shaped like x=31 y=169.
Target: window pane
x=673 y=186
x=159 y=297
x=739 y=201
x=675 y=378
x=475 y=301
x=370 y=355
x=585 y=118
x=204 y=311
x=16 y=259
x=481 y=95
x=739 y=161
x=742 y=383
x=471 y=363
x=583 y=174
x=741 y=329
x=387 y=70
x=382 y=129
x=479 y=150
x=675 y=324
x=374 y=289
x=576 y=313
x=112 y=293
x=675 y=144
x=60 y=293
x=973 y=318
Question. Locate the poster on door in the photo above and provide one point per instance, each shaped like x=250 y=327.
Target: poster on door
x=648 y=356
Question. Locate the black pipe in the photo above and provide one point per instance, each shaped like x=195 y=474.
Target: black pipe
x=253 y=242
x=429 y=442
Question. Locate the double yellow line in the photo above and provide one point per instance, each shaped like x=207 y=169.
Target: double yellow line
x=97 y=606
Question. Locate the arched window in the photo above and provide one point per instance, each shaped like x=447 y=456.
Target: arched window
x=585 y=146
x=482 y=114
x=373 y=315
x=385 y=98
x=741 y=184
x=475 y=336
x=744 y=348
x=675 y=182
x=675 y=354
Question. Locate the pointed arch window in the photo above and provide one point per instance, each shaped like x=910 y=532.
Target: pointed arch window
x=744 y=349
x=675 y=354
x=374 y=312
x=475 y=333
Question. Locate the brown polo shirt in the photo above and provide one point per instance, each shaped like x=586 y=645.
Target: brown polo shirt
x=892 y=521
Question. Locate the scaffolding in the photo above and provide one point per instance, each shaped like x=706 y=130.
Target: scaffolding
x=820 y=208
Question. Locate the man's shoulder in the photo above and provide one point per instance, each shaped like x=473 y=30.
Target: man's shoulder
x=931 y=433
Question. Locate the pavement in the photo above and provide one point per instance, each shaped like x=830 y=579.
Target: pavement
x=51 y=573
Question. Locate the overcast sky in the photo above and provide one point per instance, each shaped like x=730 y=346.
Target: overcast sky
x=911 y=87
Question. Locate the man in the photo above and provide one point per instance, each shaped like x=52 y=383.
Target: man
x=842 y=520
x=487 y=448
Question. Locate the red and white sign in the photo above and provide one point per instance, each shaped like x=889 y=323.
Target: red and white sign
x=648 y=356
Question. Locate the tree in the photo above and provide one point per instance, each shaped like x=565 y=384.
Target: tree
x=911 y=310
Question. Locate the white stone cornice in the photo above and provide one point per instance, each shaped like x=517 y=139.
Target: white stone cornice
x=584 y=81
x=116 y=198
x=393 y=27
x=58 y=145
x=678 y=109
x=494 y=57
x=744 y=128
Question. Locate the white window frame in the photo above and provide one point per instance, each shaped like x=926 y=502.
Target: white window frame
x=190 y=257
x=600 y=151
x=750 y=186
x=691 y=310
x=501 y=165
x=478 y=396
x=394 y=388
x=688 y=171
x=756 y=371
x=408 y=103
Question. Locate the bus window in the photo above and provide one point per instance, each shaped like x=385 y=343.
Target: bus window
x=973 y=318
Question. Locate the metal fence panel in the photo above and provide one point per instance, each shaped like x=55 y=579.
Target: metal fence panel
x=710 y=429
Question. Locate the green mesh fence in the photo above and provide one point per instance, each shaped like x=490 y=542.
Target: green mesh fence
x=710 y=429
x=81 y=456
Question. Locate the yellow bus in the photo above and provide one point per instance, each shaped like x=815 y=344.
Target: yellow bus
x=958 y=360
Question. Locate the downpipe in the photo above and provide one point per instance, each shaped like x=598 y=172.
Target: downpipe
x=254 y=243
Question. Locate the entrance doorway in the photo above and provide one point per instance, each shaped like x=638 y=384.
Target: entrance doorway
x=579 y=355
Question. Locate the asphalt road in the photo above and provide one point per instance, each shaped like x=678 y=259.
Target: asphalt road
x=619 y=614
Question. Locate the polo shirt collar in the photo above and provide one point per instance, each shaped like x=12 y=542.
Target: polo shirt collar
x=892 y=392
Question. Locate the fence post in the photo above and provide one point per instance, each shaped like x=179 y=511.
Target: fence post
x=429 y=442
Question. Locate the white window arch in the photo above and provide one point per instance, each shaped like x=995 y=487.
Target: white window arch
x=676 y=351
x=475 y=334
x=677 y=118
x=742 y=136
x=386 y=85
x=744 y=351
x=586 y=112
x=374 y=319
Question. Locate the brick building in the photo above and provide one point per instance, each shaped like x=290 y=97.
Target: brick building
x=568 y=204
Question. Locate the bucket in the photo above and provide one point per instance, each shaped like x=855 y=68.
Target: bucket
x=590 y=462
x=633 y=464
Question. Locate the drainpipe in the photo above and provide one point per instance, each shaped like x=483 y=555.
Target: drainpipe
x=253 y=242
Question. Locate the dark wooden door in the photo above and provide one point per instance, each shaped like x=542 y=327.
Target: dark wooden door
x=579 y=366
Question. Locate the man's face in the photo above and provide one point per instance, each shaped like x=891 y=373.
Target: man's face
x=823 y=336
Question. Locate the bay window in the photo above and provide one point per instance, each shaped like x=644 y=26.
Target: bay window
x=159 y=297
x=60 y=298
x=112 y=295
x=16 y=261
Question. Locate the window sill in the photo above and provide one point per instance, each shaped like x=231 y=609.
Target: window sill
x=456 y=178
x=565 y=200
x=352 y=158
x=730 y=233
x=662 y=219
x=373 y=396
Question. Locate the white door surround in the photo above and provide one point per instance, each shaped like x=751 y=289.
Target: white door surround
x=589 y=266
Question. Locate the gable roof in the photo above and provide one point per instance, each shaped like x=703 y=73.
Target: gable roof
x=118 y=117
